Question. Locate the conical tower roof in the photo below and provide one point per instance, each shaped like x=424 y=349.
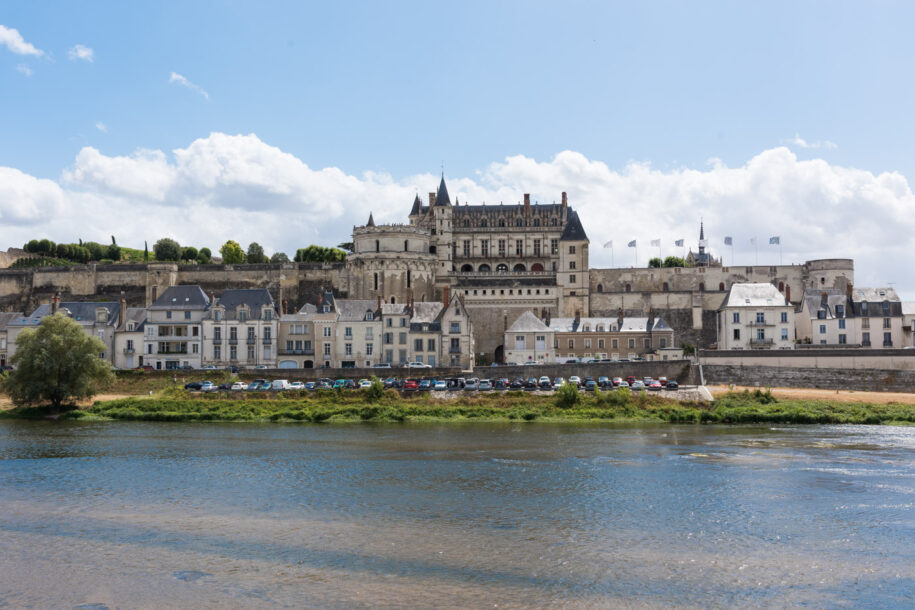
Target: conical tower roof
x=442 y=198
x=417 y=204
x=371 y=222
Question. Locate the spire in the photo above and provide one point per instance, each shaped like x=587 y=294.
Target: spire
x=371 y=222
x=417 y=204
x=701 y=230
x=573 y=230
x=441 y=198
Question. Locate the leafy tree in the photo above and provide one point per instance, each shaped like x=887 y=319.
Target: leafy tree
x=190 y=253
x=567 y=396
x=374 y=392
x=347 y=245
x=45 y=246
x=255 y=254
x=63 y=251
x=279 y=257
x=655 y=262
x=674 y=261
x=319 y=254
x=114 y=251
x=113 y=242
x=688 y=349
x=96 y=250
x=232 y=254
x=167 y=250
x=55 y=363
x=204 y=257
x=31 y=246
x=145 y=252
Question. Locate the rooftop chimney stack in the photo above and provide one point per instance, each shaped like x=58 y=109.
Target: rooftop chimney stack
x=431 y=199
x=379 y=304
x=55 y=304
x=446 y=295
x=122 y=317
x=527 y=203
x=565 y=203
x=619 y=319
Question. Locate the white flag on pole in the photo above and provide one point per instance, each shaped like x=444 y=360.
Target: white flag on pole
x=752 y=241
x=656 y=243
x=679 y=243
x=609 y=244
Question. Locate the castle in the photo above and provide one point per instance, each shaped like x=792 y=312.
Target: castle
x=502 y=260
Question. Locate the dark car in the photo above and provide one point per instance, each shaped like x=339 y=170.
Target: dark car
x=516 y=384
x=390 y=382
x=672 y=384
x=531 y=384
x=590 y=385
x=194 y=385
x=425 y=385
x=500 y=384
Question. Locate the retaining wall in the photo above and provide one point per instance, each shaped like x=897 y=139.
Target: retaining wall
x=874 y=380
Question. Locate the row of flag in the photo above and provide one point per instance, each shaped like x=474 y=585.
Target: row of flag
x=728 y=241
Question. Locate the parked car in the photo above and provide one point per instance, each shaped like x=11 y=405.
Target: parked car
x=280 y=384
x=425 y=385
x=296 y=385
x=193 y=385
x=655 y=385
x=208 y=386
x=209 y=367
x=364 y=384
x=310 y=385
x=663 y=381
x=501 y=384
x=637 y=385
x=238 y=386
x=623 y=384
x=516 y=384
x=440 y=386
x=617 y=381
x=472 y=385
x=630 y=379
x=485 y=385
x=604 y=382
x=531 y=384
x=418 y=365
x=382 y=365
x=545 y=383
x=558 y=381
x=339 y=384
x=575 y=380
x=672 y=384
x=590 y=385
x=410 y=385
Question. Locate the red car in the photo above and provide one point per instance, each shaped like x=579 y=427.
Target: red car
x=410 y=385
x=630 y=379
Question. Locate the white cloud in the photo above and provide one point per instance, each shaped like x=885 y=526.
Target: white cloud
x=15 y=43
x=24 y=69
x=237 y=187
x=81 y=52
x=101 y=127
x=800 y=142
x=184 y=82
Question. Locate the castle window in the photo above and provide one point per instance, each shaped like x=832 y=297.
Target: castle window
x=555 y=222
x=721 y=286
x=536 y=222
x=484 y=268
x=665 y=287
x=519 y=268
x=501 y=268
x=405 y=244
x=376 y=281
x=600 y=287
x=628 y=288
x=536 y=267
x=408 y=278
x=518 y=222
x=483 y=223
x=466 y=268
x=501 y=222
x=466 y=223
x=701 y=286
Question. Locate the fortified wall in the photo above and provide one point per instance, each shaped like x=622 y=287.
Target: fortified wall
x=140 y=284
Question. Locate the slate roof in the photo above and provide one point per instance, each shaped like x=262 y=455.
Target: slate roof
x=874 y=295
x=353 y=310
x=908 y=308
x=182 y=297
x=441 y=198
x=754 y=295
x=573 y=230
x=371 y=222
x=137 y=315
x=426 y=313
x=394 y=309
x=527 y=323
x=8 y=316
x=79 y=311
x=255 y=298
x=630 y=325
x=813 y=301
x=417 y=206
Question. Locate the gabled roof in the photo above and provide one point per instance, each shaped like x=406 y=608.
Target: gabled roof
x=426 y=313
x=527 y=323
x=441 y=197
x=573 y=230
x=354 y=310
x=8 y=316
x=327 y=299
x=394 y=309
x=754 y=295
x=182 y=297
x=813 y=301
x=254 y=298
x=137 y=315
x=79 y=311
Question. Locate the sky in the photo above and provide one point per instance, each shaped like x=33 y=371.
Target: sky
x=287 y=123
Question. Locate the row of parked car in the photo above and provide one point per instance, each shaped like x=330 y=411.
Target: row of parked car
x=453 y=384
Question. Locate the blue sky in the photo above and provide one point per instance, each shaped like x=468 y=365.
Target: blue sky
x=763 y=118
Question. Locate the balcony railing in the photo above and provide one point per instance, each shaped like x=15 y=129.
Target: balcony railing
x=217 y=341
x=762 y=341
x=760 y=324
x=267 y=341
x=866 y=343
x=887 y=344
x=251 y=340
x=233 y=341
x=454 y=350
x=129 y=350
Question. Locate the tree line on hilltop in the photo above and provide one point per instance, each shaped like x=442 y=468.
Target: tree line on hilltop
x=169 y=250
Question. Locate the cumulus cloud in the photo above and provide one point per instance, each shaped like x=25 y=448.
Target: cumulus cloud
x=12 y=39
x=81 y=53
x=238 y=187
x=24 y=69
x=800 y=142
x=178 y=79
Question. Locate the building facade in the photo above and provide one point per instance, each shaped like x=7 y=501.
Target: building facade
x=240 y=329
x=756 y=316
x=173 y=335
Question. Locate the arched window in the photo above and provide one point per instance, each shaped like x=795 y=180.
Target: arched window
x=466 y=223
x=536 y=222
x=405 y=243
x=600 y=328
x=377 y=246
x=483 y=223
x=484 y=268
x=376 y=281
x=501 y=268
x=781 y=286
x=628 y=288
x=501 y=222
x=519 y=267
x=600 y=287
x=536 y=267
x=701 y=286
x=393 y=300
x=587 y=328
x=721 y=286
x=555 y=222
x=466 y=268
x=665 y=287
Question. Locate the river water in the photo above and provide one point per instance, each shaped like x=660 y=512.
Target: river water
x=122 y=515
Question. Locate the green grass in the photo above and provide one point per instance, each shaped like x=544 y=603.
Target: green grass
x=174 y=404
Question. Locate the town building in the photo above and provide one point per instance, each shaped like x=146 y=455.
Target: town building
x=528 y=339
x=173 y=337
x=908 y=324
x=98 y=319
x=296 y=345
x=620 y=338
x=240 y=329
x=128 y=337
x=879 y=311
x=5 y=350
x=756 y=316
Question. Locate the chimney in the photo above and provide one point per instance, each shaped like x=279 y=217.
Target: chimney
x=431 y=199
x=446 y=295
x=527 y=203
x=55 y=304
x=212 y=299
x=824 y=299
x=283 y=307
x=122 y=316
x=850 y=289
x=379 y=304
x=651 y=316
x=565 y=203
x=619 y=319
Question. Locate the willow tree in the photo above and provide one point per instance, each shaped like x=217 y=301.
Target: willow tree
x=57 y=362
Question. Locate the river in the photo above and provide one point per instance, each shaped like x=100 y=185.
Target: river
x=123 y=515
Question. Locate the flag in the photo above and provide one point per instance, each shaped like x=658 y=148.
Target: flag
x=609 y=244
x=703 y=243
x=777 y=241
x=679 y=243
x=632 y=244
x=752 y=241
x=656 y=243
x=728 y=241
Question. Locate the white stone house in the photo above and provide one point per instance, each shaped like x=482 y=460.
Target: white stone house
x=173 y=337
x=756 y=316
x=240 y=329
x=528 y=339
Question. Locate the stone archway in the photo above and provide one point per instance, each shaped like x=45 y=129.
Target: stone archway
x=499 y=355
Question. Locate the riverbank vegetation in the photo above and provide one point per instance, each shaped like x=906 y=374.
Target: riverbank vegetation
x=757 y=407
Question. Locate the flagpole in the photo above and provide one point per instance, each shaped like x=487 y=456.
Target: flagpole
x=612 y=264
x=756 y=243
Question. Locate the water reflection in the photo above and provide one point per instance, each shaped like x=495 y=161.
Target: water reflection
x=129 y=514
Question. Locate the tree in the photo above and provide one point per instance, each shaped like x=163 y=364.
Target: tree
x=255 y=254
x=279 y=257
x=96 y=250
x=688 y=349
x=232 y=254
x=55 y=363
x=114 y=251
x=319 y=254
x=145 y=252
x=347 y=245
x=167 y=250
x=204 y=257
x=189 y=254
x=674 y=261
x=654 y=262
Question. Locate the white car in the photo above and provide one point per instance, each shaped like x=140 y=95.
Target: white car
x=418 y=365
x=239 y=385
x=296 y=385
x=440 y=386
x=558 y=382
x=365 y=383
x=575 y=380
x=637 y=385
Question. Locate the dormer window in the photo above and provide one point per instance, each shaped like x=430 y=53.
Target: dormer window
x=369 y=316
x=325 y=309
x=130 y=326
x=242 y=316
x=268 y=315
x=216 y=315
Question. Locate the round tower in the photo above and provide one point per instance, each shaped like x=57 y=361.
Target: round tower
x=393 y=262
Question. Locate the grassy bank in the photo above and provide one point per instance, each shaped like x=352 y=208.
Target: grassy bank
x=327 y=406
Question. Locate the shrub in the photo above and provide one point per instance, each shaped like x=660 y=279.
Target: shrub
x=567 y=396
x=374 y=392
